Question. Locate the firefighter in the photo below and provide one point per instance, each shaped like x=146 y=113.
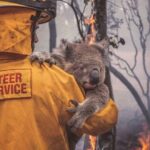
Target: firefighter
x=34 y=99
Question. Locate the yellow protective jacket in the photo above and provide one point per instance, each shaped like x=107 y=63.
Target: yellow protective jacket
x=34 y=98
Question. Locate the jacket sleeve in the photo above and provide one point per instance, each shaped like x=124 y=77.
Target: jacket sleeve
x=101 y=121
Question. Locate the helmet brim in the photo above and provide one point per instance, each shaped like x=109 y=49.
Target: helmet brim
x=45 y=17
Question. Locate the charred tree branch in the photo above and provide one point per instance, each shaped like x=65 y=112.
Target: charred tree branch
x=131 y=35
x=131 y=70
x=133 y=91
x=134 y=16
x=76 y=16
x=148 y=19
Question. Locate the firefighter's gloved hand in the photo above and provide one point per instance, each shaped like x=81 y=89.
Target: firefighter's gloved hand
x=41 y=57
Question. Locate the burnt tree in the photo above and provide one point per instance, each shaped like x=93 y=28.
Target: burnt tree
x=107 y=139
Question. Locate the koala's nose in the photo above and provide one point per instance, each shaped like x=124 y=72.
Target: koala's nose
x=94 y=76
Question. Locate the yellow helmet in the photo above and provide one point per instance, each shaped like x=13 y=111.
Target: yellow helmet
x=46 y=7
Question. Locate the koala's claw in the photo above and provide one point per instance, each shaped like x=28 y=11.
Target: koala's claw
x=42 y=57
x=33 y=58
x=72 y=110
x=51 y=61
x=37 y=56
x=74 y=102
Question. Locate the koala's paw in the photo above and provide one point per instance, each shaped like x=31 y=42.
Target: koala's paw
x=42 y=57
x=79 y=117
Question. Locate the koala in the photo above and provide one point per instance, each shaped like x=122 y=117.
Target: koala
x=87 y=63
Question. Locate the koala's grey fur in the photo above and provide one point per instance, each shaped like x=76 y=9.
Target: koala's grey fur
x=81 y=59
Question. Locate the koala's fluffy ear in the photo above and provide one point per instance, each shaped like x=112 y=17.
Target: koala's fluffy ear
x=63 y=48
x=102 y=47
x=68 y=49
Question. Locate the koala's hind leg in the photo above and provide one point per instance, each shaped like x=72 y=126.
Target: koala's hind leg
x=42 y=57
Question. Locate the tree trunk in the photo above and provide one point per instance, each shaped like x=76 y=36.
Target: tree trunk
x=101 y=19
x=148 y=104
x=101 y=27
x=53 y=34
